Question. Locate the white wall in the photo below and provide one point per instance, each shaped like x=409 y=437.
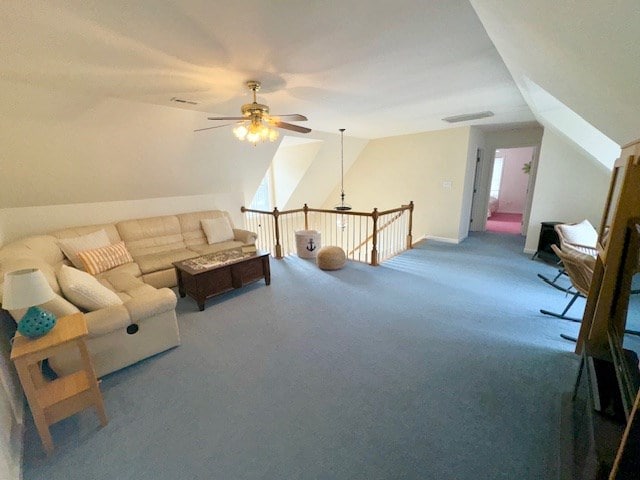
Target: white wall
x=63 y=148
x=570 y=186
x=22 y=221
x=323 y=175
x=395 y=170
x=289 y=166
x=513 y=185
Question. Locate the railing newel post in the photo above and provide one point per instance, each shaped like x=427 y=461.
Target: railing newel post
x=305 y=209
x=276 y=214
x=374 y=238
x=409 y=235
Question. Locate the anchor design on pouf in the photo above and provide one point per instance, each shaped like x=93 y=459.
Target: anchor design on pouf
x=311 y=246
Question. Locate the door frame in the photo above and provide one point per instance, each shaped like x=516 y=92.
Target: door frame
x=480 y=199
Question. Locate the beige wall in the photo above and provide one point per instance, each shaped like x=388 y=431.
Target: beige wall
x=392 y=171
x=570 y=186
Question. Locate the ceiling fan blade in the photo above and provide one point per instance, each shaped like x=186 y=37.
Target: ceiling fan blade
x=296 y=117
x=209 y=128
x=289 y=126
x=227 y=118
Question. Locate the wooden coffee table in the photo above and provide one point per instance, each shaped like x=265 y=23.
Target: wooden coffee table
x=210 y=275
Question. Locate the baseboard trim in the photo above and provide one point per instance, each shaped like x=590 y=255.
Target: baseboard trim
x=442 y=239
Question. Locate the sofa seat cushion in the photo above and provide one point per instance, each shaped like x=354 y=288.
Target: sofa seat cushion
x=215 y=247
x=131 y=269
x=162 y=260
x=121 y=282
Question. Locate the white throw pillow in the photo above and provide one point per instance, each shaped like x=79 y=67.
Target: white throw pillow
x=84 y=290
x=217 y=229
x=581 y=233
x=71 y=246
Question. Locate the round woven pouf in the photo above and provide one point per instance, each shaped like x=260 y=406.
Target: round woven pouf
x=331 y=258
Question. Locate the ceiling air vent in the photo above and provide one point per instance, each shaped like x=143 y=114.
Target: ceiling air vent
x=468 y=116
x=181 y=100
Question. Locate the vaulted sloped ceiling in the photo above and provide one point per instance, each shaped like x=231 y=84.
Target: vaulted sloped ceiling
x=375 y=67
x=585 y=54
x=86 y=85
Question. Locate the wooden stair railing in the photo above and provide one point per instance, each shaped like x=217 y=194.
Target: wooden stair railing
x=370 y=237
x=373 y=237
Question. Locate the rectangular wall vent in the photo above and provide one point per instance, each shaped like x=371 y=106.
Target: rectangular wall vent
x=468 y=116
x=181 y=100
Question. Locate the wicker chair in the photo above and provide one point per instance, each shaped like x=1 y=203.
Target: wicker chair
x=579 y=267
x=580 y=237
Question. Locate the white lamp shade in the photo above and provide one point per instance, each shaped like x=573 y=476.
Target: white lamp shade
x=25 y=288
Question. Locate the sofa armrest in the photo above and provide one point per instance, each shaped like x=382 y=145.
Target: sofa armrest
x=151 y=304
x=106 y=320
x=245 y=236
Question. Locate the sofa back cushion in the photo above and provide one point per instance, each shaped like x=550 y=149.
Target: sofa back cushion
x=191 y=227
x=10 y=264
x=73 y=246
x=41 y=252
x=44 y=247
x=151 y=235
x=109 y=228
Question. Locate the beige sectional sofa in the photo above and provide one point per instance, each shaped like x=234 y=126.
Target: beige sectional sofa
x=145 y=323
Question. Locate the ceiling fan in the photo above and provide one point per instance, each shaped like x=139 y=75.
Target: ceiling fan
x=255 y=123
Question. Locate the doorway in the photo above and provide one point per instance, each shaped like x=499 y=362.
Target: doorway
x=508 y=190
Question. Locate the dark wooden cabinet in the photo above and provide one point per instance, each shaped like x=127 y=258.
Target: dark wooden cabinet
x=548 y=237
x=202 y=283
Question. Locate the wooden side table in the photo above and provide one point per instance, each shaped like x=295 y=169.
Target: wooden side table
x=53 y=400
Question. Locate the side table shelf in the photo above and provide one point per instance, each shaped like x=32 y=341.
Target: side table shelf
x=53 y=400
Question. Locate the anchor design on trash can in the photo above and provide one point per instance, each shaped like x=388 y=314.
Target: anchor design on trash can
x=311 y=246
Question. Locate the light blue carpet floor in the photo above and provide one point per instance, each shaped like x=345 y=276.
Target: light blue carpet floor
x=436 y=365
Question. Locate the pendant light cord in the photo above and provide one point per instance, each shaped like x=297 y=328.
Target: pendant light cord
x=342 y=165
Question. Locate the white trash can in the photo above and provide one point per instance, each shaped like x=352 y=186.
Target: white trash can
x=307 y=243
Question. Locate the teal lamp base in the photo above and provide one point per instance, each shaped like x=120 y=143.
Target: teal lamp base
x=36 y=322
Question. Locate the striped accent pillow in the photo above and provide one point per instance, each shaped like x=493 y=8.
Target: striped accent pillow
x=105 y=258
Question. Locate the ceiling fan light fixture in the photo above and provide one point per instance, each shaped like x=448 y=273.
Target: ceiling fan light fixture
x=256 y=124
x=240 y=132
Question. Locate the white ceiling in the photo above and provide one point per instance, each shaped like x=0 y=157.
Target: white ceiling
x=375 y=67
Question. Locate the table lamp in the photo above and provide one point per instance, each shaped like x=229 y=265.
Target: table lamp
x=27 y=289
